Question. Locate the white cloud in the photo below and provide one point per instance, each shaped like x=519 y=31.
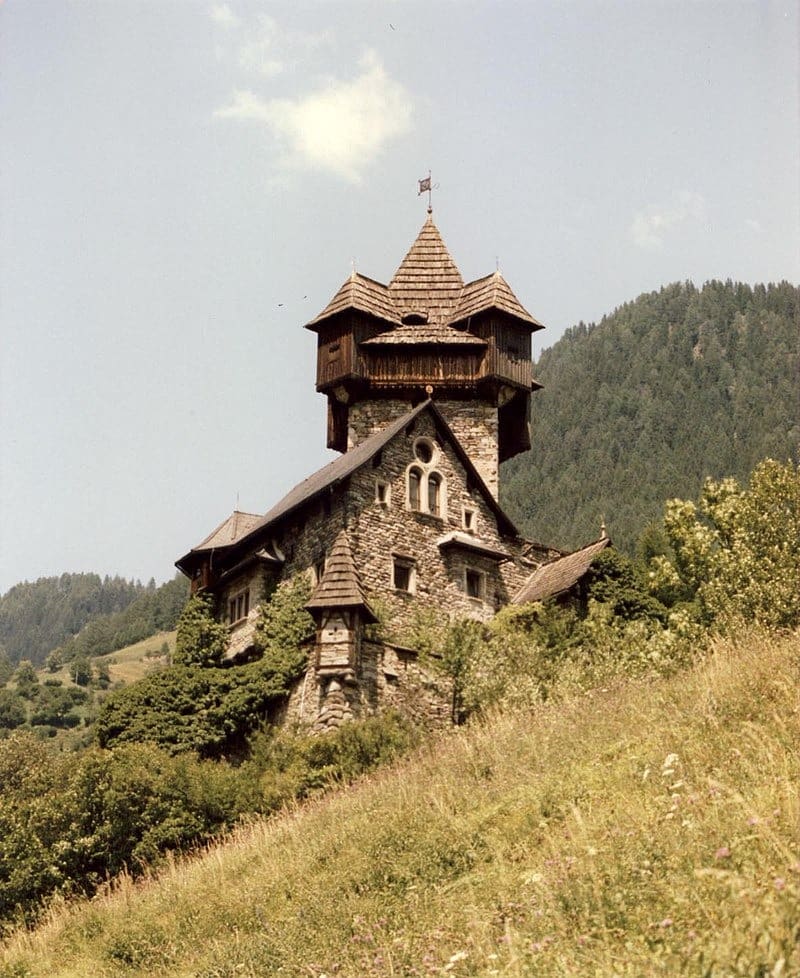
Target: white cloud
x=222 y=14
x=341 y=127
x=651 y=225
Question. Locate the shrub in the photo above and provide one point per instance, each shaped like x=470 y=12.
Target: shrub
x=200 y=639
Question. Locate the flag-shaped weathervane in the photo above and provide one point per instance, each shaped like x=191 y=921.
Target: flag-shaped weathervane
x=425 y=184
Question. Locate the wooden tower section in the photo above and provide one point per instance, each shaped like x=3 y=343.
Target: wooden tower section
x=382 y=348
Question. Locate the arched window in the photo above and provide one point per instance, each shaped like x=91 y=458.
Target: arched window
x=435 y=494
x=414 y=488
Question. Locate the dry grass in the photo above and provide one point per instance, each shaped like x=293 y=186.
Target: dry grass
x=647 y=829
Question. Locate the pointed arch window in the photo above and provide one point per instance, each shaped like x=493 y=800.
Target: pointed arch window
x=435 y=494
x=415 y=488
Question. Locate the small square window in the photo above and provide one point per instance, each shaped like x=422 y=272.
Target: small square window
x=404 y=575
x=470 y=520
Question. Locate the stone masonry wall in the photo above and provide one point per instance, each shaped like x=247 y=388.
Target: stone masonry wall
x=387 y=678
x=474 y=423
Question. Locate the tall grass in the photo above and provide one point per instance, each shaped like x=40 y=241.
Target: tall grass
x=635 y=830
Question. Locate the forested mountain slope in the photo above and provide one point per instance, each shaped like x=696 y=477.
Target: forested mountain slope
x=678 y=385
x=84 y=614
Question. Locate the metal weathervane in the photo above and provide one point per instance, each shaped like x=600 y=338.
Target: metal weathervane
x=424 y=185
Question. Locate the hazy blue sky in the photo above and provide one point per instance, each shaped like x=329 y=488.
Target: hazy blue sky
x=183 y=185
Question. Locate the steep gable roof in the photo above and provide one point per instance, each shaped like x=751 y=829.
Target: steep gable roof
x=344 y=466
x=559 y=575
x=340 y=585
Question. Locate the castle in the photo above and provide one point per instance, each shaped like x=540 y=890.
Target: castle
x=428 y=382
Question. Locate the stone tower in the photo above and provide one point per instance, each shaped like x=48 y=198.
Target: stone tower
x=384 y=348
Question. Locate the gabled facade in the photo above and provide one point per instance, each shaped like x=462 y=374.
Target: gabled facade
x=428 y=382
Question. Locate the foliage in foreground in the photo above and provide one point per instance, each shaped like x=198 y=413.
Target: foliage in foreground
x=644 y=829
x=68 y=822
x=196 y=704
x=731 y=561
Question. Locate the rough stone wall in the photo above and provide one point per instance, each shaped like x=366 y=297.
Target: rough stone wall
x=474 y=423
x=378 y=531
x=386 y=678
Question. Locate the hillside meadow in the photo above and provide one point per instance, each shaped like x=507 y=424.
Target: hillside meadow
x=644 y=828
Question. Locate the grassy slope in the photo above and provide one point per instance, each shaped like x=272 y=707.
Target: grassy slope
x=639 y=830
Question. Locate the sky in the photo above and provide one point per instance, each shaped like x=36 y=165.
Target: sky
x=183 y=185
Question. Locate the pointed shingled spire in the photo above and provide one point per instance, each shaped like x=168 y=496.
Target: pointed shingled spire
x=340 y=585
x=428 y=282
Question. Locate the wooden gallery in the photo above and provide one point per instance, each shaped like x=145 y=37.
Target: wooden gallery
x=428 y=381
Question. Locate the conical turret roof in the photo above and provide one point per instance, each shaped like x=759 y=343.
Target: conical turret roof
x=428 y=281
x=340 y=585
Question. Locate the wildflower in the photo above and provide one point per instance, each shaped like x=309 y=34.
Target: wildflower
x=722 y=853
x=458 y=956
x=753 y=820
x=666 y=922
x=780 y=883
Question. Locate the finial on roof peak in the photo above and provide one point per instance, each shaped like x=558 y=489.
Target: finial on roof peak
x=603 y=530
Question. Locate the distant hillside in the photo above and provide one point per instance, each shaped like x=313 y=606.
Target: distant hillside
x=84 y=614
x=680 y=384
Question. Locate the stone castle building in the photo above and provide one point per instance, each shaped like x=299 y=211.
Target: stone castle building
x=428 y=382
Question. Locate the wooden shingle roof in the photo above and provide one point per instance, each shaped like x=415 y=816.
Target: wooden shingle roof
x=425 y=334
x=340 y=585
x=365 y=294
x=559 y=575
x=426 y=294
x=428 y=280
x=491 y=292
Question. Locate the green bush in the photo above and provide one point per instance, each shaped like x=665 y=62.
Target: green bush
x=200 y=639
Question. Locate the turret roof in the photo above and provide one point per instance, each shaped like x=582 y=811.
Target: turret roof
x=340 y=584
x=426 y=294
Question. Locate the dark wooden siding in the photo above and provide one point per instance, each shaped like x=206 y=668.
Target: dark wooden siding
x=410 y=366
x=335 y=352
x=508 y=356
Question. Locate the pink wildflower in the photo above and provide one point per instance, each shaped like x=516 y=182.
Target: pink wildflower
x=722 y=853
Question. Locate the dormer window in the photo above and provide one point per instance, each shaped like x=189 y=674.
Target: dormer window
x=414 y=317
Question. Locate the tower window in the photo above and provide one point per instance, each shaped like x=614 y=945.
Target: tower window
x=424 y=450
x=414 y=489
x=434 y=494
x=470 y=519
